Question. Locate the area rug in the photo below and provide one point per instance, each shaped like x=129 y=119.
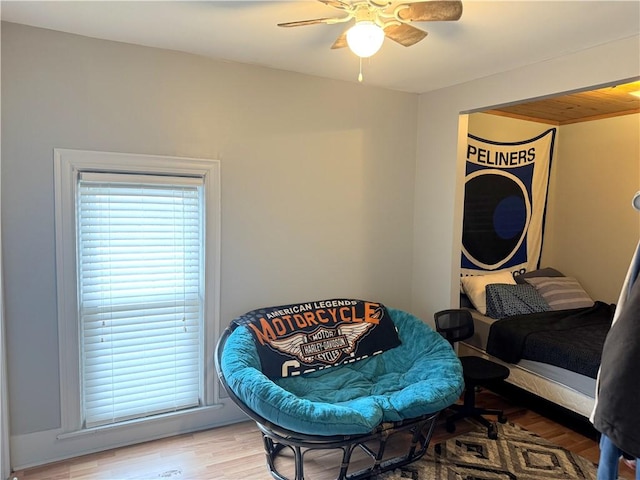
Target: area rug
x=517 y=454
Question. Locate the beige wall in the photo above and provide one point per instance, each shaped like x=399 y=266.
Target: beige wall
x=591 y=229
x=317 y=183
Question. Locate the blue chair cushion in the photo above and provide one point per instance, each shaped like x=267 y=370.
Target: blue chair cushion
x=421 y=376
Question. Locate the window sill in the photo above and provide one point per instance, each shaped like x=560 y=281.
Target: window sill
x=147 y=421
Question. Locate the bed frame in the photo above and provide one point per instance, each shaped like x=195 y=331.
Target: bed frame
x=539 y=385
x=525 y=376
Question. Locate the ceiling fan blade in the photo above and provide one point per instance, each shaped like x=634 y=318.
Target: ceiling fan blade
x=301 y=23
x=336 y=4
x=341 y=41
x=404 y=34
x=431 y=11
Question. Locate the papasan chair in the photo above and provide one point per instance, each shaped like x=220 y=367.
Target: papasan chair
x=338 y=374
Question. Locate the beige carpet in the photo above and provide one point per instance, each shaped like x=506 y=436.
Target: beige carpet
x=516 y=455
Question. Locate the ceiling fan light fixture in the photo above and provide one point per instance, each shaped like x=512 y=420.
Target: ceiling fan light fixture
x=365 y=38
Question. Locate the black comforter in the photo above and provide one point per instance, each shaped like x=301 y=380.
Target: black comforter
x=570 y=339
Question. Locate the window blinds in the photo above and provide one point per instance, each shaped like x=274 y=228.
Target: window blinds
x=140 y=301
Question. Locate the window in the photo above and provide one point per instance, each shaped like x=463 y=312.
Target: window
x=140 y=291
x=138 y=277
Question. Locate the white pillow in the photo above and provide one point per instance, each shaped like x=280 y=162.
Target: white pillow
x=474 y=286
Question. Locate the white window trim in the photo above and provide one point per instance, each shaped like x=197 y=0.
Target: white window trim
x=5 y=457
x=67 y=165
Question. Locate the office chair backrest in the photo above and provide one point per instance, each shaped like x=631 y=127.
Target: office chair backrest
x=454 y=325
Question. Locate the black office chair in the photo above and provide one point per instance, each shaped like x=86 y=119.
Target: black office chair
x=456 y=325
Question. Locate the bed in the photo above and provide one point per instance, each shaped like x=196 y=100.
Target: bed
x=549 y=333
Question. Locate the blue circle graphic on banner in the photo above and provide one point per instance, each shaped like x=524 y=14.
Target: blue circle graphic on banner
x=510 y=217
x=497 y=215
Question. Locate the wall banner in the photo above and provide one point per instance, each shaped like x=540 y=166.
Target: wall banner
x=504 y=204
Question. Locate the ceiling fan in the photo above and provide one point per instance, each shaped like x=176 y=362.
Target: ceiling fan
x=377 y=19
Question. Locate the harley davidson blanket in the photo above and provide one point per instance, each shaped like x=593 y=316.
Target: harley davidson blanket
x=305 y=337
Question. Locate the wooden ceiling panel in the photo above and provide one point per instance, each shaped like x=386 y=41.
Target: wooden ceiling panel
x=578 y=107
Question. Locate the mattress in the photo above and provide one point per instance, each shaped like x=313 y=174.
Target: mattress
x=568 y=389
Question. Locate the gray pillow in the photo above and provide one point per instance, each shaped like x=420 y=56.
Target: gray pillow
x=561 y=293
x=542 y=272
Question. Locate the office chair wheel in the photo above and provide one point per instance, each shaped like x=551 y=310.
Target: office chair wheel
x=492 y=433
x=450 y=427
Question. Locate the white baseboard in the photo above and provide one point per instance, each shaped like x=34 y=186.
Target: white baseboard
x=39 y=448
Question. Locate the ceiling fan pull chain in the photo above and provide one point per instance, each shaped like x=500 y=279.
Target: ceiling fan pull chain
x=360 y=74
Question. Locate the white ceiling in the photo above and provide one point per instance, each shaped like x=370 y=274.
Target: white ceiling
x=491 y=37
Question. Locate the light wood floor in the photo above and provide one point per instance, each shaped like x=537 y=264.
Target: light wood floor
x=236 y=453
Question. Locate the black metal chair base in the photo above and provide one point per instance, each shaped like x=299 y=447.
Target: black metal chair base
x=492 y=431
x=469 y=410
x=420 y=429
